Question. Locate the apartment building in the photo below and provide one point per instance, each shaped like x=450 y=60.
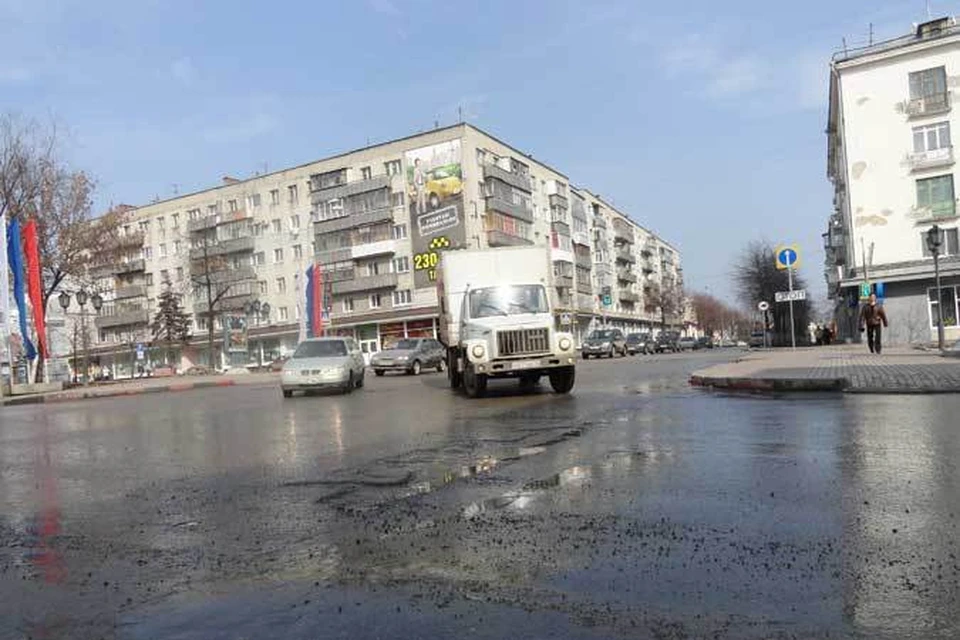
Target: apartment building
x=891 y=161
x=377 y=220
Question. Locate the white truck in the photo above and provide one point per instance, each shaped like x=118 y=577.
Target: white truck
x=496 y=319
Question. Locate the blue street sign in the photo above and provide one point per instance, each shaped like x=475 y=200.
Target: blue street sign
x=879 y=289
x=786 y=257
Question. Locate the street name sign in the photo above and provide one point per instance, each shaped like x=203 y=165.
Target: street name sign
x=791 y=296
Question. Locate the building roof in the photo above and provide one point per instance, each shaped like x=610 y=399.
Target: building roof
x=934 y=30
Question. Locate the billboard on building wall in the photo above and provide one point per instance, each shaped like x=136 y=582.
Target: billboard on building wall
x=435 y=199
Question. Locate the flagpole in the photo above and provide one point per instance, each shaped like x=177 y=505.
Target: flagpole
x=5 y=331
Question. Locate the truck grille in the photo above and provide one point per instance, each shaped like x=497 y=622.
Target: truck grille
x=521 y=342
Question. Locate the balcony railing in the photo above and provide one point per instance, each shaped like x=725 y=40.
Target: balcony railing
x=508 y=208
x=374 y=183
x=599 y=222
x=625 y=254
x=626 y=276
x=583 y=286
x=378 y=248
x=223 y=247
x=625 y=295
x=132 y=239
x=208 y=222
x=564 y=282
x=130 y=291
x=622 y=233
x=131 y=266
x=583 y=259
x=352 y=221
x=122 y=318
x=558 y=200
x=366 y=283
x=581 y=238
x=929 y=105
x=930 y=159
x=497 y=238
x=229 y=302
x=511 y=178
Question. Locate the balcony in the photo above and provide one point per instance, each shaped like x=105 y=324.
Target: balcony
x=625 y=254
x=233 y=275
x=930 y=159
x=928 y=105
x=369 y=249
x=563 y=282
x=509 y=177
x=626 y=276
x=508 y=208
x=625 y=295
x=131 y=240
x=583 y=259
x=131 y=266
x=130 y=291
x=602 y=269
x=599 y=223
x=331 y=256
x=557 y=200
x=365 y=219
x=497 y=238
x=209 y=222
x=561 y=255
x=122 y=318
x=561 y=226
x=356 y=187
x=366 y=283
x=223 y=247
x=229 y=302
x=622 y=233
x=583 y=286
x=580 y=238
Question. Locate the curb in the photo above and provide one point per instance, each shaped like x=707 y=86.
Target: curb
x=90 y=395
x=769 y=385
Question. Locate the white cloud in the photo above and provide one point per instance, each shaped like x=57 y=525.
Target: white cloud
x=183 y=71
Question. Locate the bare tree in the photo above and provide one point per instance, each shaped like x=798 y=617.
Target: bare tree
x=36 y=184
x=667 y=297
x=209 y=275
x=756 y=278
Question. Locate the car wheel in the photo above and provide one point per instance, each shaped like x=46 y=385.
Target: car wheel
x=287 y=393
x=441 y=365
x=348 y=388
x=562 y=379
x=379 y=372
x=454 y=377
x=415 y=368
x=360 y=381
x=434 y=201
x=474 y=384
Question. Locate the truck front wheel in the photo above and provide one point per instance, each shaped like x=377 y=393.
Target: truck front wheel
x=562 y=379
x=454 y=376
x=475 y=384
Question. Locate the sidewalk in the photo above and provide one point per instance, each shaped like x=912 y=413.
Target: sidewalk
x=142 y=386
x=847 y=368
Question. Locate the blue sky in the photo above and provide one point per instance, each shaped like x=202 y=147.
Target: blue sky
x=702 y=120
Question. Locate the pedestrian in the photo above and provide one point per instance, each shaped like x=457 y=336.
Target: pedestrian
x=871 y=317
x=420 y=186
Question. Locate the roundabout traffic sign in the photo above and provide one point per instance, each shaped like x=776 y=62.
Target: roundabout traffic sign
x=763 y=306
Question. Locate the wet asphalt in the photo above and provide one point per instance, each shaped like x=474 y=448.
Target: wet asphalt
x=637 y=507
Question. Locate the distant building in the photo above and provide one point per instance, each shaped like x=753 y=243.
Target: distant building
x=377 y=220
x=891 y=160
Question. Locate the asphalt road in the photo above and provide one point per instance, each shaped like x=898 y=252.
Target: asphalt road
x=636 y=507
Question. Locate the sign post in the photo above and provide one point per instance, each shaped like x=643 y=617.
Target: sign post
x=787 y=258
x=764 y=307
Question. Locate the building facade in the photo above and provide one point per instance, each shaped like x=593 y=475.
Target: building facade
x=891 y=161
x=377 y=220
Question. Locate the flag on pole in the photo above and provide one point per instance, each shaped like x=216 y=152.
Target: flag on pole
x=34 y=285
x=4 y=286
x=309 y=297
x=301 y=314
x=15 y=259
x=314 y=311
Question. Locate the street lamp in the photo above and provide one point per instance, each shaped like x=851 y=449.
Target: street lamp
x=82 y=298
x=934 y=242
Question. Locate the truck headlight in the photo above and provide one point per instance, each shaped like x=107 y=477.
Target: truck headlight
x=565 y=344
x=477 y=351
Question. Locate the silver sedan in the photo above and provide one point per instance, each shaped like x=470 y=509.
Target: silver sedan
x=323 y=363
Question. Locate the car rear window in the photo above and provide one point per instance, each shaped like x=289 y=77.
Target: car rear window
x=321 y=349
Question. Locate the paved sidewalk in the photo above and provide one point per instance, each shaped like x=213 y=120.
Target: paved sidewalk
x=142 y=386
x=848 y=368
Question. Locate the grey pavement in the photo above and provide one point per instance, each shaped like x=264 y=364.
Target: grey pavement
x=849 y=368
x=638 y=507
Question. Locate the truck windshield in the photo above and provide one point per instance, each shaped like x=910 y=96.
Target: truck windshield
x=508 y=300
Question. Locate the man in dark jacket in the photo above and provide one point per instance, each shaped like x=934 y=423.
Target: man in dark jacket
x=871 y=316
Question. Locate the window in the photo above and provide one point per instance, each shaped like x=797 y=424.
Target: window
x=375 y=301
x=294 y=222
x=163 y=251
x=292 y=197
x=148 y=252
x=347 y=305
x=948 y=302
x=401 y=265
x=297 y=252
x=258 y=259
x=145 y=226
x=276 y=225
x=402 y=297
x=373 y=268
x=275 y=196
x=193 y=214
x=330 y=209
x=949 y=247
x=928 y=83
x=231 y=205
x=262 y=287
x=277 y=256
x=935 y=196
x=149 y=279
x=329 y=179
x=283 y=314
x=396 y=199
x=175 y=220
x=179 y=274
x=161 y=222
x=931 y=137
x=253 y=202
x=392 y=167
x=366 y=173
x=164 y=275
x=281 y=285
x=399 y=231
x=212 y=209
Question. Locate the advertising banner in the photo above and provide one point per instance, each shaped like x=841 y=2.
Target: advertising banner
x=435 y=199
x=235 y=333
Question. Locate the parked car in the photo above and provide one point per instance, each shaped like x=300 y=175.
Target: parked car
x=323 y=363
x=410 y=356
x=704 y=343
x=686 y=343
x=667 y=342
x=277 y=364
x=639 y=343
x=604 y=342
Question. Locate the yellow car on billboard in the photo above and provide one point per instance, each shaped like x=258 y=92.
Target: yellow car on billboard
x=443 y=182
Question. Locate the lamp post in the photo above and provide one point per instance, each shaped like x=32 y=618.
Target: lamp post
x=257 y=309
x=82 y=298
x=934 y=242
